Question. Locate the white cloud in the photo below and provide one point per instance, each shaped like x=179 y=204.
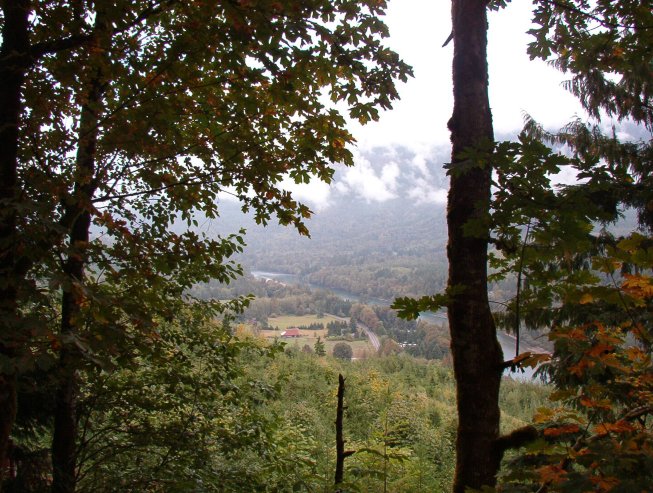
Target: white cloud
x=423 y=193
x=363 y=181
x=317 y=193
x=419 y=162
x=389 y=175
x=418 y=121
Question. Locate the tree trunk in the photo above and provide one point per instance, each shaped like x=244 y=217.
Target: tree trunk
x=476 y=352
x=14 y=62
x=65 y=417
x=341 y=453
x=78 y=206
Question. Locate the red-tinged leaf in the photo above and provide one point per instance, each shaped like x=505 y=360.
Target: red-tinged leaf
x=604 y=483
x=593 y=403
x=552 y=474
x=531 y=360
x=600 y=349
x=579 y=368
x=575 y=334
x=561 y=430
x=620 y=426
x=638 y=286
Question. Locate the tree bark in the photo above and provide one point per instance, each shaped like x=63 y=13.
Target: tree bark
x=65 y=417
x=78 y=206
x=14 y=63
x=341 y=453
x=17 y=55
x=476 y=352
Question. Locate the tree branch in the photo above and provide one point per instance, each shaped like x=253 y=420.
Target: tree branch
x=517 y=438
x=603 y=22
x=45 y=47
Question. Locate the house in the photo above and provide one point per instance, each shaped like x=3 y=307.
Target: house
x=291 y=332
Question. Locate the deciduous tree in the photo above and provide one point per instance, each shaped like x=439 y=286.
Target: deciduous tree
x=477 y=355
x=590 y=287
x=165 y=105
x=342 y=350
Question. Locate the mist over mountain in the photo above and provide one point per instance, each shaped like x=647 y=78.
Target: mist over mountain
x=379 y=229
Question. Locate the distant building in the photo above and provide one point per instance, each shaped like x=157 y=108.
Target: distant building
x=291 y=332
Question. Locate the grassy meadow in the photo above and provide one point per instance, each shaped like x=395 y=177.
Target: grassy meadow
x=361 y=348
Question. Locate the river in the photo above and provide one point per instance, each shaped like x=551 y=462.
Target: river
x=507 y=341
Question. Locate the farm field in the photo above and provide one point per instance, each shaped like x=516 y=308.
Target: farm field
x=362 y=348
x=286 y=321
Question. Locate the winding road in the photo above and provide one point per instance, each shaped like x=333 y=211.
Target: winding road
x=374 y=339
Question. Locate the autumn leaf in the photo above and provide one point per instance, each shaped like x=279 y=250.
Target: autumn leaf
x=552 y=474
x=620 y=426
x=579 y=368
x=543 y=415
x=600 y=349
x=561 y=430
x=586 y=299
x=604 y=483
x=638 y=286
x=589 y=402
x=531 y=360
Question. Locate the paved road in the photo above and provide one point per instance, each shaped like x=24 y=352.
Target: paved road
x=374 y=339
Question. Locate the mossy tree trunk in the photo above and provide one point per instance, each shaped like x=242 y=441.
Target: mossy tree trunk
x=476 y=352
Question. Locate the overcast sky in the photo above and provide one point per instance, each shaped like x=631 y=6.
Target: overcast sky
x=418 y=29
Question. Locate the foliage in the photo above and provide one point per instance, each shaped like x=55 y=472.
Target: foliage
x=602 y=370
x=175 y=414
x=342 y=351
x=399 y=403
x=273 y=299
x=318 y=347
x=590 y=287
x=178 y=162
x=373 y=251
x=595 y=42
x=134 y=127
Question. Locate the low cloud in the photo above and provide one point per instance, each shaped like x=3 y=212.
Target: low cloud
x=381 y=174
x=424 y=193
x=317 y=193
x=363 y=181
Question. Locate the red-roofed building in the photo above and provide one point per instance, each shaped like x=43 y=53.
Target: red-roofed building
x=291 y=332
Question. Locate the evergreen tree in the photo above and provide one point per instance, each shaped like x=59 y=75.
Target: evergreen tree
x=319 y=348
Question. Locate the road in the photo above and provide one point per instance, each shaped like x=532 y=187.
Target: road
x=374 y=339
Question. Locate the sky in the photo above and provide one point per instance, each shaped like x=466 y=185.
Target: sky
x=418 y=28
x=518 y=85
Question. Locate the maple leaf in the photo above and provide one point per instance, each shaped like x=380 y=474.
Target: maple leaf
x=620 y=426
x=552 y=474
x=561 y=430
x=638 y=286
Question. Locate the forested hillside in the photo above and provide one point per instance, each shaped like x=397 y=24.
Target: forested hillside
x=376 y=246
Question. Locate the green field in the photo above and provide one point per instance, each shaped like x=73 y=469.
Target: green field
x=362 y=348
x=286 y=321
